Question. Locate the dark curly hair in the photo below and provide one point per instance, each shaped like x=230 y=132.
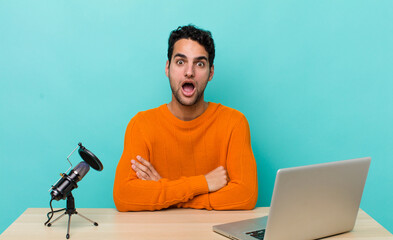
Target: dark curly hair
x=201 y=36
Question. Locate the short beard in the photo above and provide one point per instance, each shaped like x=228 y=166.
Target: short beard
x=179 y=100
x=178 y=97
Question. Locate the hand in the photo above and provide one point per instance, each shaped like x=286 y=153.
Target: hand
x=217 y=179
x=144 y=170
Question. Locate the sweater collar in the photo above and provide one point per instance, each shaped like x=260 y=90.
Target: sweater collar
x=192 y=123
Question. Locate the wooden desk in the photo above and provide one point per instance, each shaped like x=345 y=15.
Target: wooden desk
x=167 y=224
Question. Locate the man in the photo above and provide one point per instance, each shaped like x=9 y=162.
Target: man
x=188 y=153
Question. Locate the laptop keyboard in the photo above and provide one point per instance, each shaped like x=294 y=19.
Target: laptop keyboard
x=258 y=234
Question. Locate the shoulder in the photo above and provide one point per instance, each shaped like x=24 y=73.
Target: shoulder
x=146 y=117
x=148 y=114
x=233 y=121
x=229 y=114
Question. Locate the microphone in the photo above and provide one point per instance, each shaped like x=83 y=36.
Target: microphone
x=67 y=183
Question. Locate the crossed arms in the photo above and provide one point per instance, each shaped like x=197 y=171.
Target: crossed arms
x=144 y=170
x=140 y=186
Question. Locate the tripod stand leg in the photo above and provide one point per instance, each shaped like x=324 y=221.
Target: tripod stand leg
x=70 y=210
x=95 y=223
x=68 y=228
x=50 y=224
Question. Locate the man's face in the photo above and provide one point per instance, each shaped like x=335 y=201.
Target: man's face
x=189 y=71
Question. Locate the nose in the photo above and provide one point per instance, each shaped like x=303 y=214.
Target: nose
x=189 y=71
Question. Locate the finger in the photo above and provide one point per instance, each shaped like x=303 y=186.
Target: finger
x=133 y=164
x=136 y=166
x=145 y=175
x=140 y=176
x=141 y=170
x=154 y=172
x=143 y=161
x=150 y=167
x=141 y=167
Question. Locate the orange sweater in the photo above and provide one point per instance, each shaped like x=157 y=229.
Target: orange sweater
x=182 y=152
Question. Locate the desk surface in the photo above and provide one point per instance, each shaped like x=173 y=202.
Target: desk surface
x=166 y=224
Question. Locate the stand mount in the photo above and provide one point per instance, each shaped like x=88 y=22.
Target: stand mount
x=70 y=210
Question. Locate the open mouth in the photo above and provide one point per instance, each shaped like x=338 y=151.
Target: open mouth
x=188 y=88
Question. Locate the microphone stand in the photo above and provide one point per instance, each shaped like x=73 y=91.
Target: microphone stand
x=70 y=210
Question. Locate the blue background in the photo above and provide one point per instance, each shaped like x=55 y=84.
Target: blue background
x=314 y=79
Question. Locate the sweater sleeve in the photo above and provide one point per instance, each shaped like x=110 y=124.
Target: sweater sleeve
x=241 y=191
x=133 y=194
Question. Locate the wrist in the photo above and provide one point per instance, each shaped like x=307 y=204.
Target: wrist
x=198 y=185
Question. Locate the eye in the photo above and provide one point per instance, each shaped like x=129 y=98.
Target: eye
x=179 y=62
x=200 y=64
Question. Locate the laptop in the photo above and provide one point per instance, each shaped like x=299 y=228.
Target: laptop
x=308 y=202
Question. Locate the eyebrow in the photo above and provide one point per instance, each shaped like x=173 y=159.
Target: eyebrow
x=179 y=55
x=184 y=56
x=201 y=58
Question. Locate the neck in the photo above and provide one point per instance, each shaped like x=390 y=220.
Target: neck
x=187 y=113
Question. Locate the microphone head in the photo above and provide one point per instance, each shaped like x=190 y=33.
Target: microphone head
x=90 y=158
x=81 y=169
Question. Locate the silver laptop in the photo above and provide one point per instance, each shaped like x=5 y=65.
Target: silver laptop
x=308 y=202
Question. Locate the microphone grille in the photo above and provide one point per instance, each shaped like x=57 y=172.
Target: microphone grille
x=82 y=168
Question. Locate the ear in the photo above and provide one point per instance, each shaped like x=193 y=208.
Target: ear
x=211 y=72
x=167 y=68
